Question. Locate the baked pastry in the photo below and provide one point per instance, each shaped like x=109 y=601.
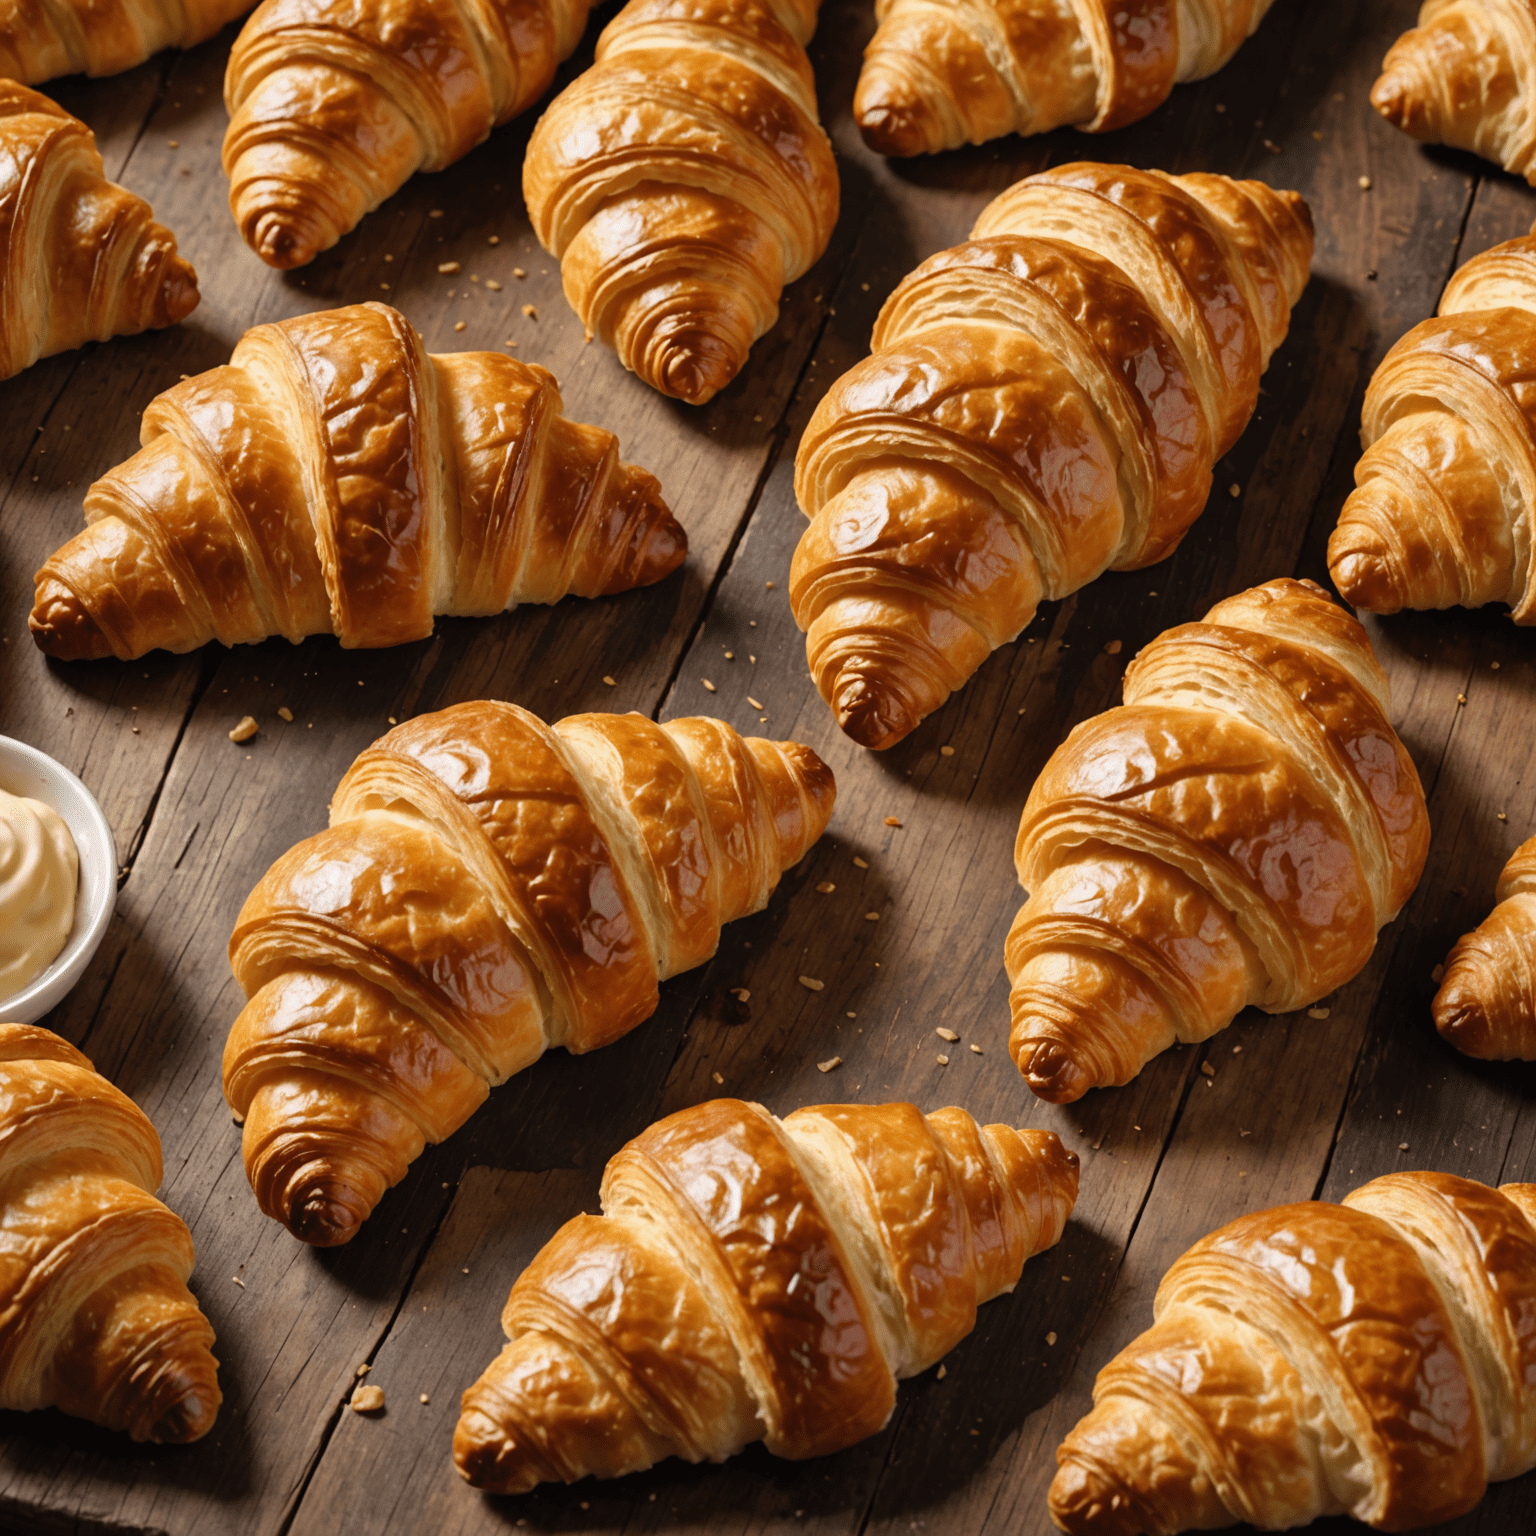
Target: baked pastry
x=757 y=1279
x=334 y=106
x=1466 y=76
x=489 y=887
x=1486 y=1005
x=95 y=1314
x=683 y=180
x=1375 y=1358
x=335 y=477
x=1235 y=833
x=81 y=259
x=1042 y=404
x=1444 y=509
x=43 y=38
x=940 y=75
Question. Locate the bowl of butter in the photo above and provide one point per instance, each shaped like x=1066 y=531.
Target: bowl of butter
x=58 y=881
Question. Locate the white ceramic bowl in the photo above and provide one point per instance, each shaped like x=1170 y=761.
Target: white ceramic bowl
x=26 y=771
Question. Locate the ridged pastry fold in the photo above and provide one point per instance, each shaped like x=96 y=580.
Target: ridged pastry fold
x=95 y=1314
x=1041 y=404
x=757 y=1279
x=1374 y=1358
x=335 y=477
x=40 y=39
x=683 y=180
x=1236 y=833
x=489 y=887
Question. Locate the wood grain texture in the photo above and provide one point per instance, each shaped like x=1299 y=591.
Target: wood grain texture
x=1297 y=1106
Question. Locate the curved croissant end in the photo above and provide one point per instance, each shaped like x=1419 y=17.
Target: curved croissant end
x=95 y=1314
x=683 y=181
x=102 y=37
x=481 y=496
x=81 y=259
x=489 y=887
x=1148 y=846
x=1444 y=510
x=640 y=1334
x=1466 y=76
x=1486 y=1005
x=1074 y=331
x=333 y=107
x=938 y=76
x=1256 y=1396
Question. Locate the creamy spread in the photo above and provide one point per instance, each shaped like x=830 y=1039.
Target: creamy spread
x=39 y=875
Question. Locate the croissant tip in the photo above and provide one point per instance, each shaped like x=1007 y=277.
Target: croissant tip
x=279 y=243
x=1389 y=96
x=1052 y=1073
x=660 y=543
x=1463 y=1023
x=485 y=1456
x=895 y=134
x=869 y=715
x=323 y=1218
x=180 y=294
x=695 y=371
x=190 y=1416
x=1081 y=1500
x=1364 y=579
x=62 y=628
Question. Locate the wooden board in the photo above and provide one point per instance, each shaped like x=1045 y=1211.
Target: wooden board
x=1305 y=1107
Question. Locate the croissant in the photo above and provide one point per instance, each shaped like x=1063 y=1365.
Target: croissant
x=1466 y=76
x=757 y=1279
x=1042 y=404
x=683 y=181
x=43 y=38
x=335 y=104
x=1236 y=832
x=1442 y=513
x=1486 y=1005
x=937 y=76
x=335 y=477
x=1375 y=1358
x=488 y=887
x=81 y=259
x=95 y=1314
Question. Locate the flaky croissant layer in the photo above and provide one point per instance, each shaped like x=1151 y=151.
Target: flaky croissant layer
x=1042 y=404
x=334 y=105
x=489 y=887
x=81 y=259
x=95 y=1314
x=683 y=181
x=757 y=1279
x=336 y=477
x=1486 y=1005
x=1375 y=1358
x=43 y=38
x=1237 y=832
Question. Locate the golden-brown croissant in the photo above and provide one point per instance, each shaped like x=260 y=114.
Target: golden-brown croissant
x=43 y=38
x=81 y=259
x=488 y=887
x=334 y=476
x=1444 y=510
x=1235 y=833
x=757 y=1279
x=95 y=1314
x=940 y=73
x=1466 y=76
x=1486 y=1005
x=335 y=104
x=1375 y=1358
x=1042 y=404
x=683 y=181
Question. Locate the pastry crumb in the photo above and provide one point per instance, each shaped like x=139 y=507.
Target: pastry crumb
x=530 y=312
x=753 y=702
x=717 y=1077
x=946 y=1034
x=609 y=681
x=946 y=751
x=709 y=687
x=892 y=821
x=942 y=1059
x=367 y=1400
x=975 y=1049
x=458 y=325
x=447 y=268
x=741 y=994
x=1113 y=648
x=859 y=863
x=826 y=887
x=284 y=713
x=830 y=1064
x=812 y=984
x=245 y=730
x=1317 y=1013
x=1365 y=183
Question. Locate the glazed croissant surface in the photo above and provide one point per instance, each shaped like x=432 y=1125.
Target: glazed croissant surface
x=43 y=38
x=1486 y=1005
x=489 y=887
x=1235 y=833
x=683 y=180
x=335 y=104
x=1444 y=510
x=335 y=477
x=939 y=74
x=1042 y=404
x=757 y=1279
x=1466 y=76
x=95 y=1314
x=81 y=259
x=1375 y=1358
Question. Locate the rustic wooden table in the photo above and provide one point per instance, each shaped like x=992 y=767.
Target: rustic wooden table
x=1307 y=1107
